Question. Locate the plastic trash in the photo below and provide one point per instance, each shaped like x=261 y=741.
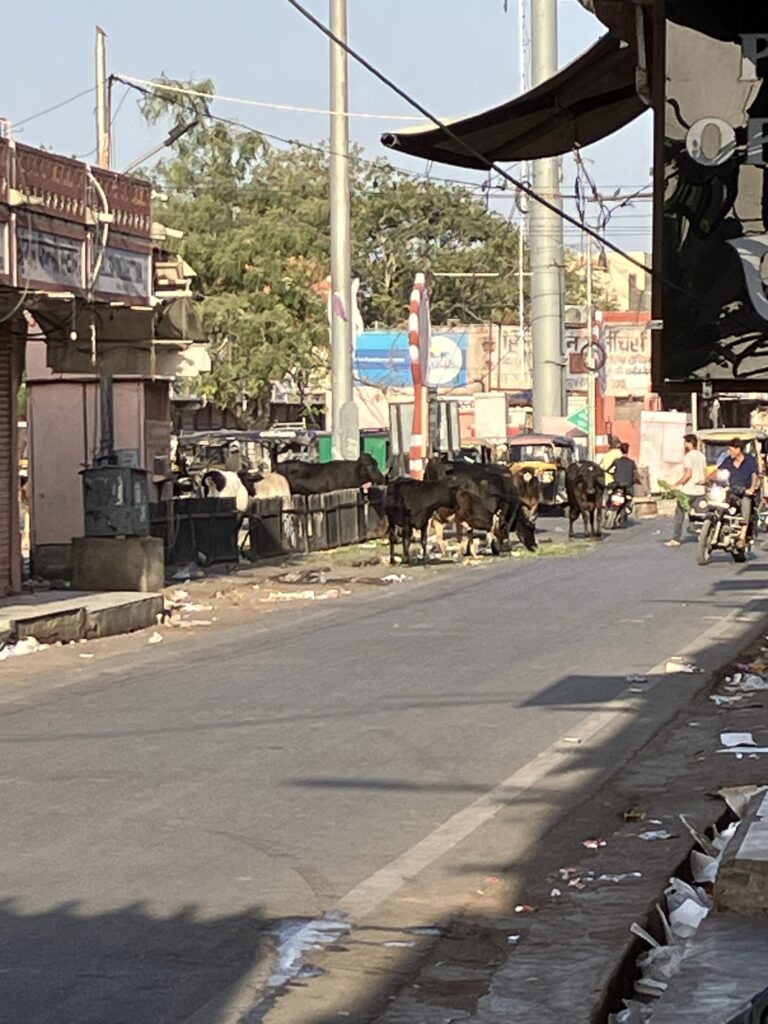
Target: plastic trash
x=156 y=638
x=737 y=797
x=594 y=844
x=620 y=878
x=653 y=835
x=31 y=645
x=678 y=664
x=687 y=905
x=525 y=908
x=737 y=739
x=704 y=868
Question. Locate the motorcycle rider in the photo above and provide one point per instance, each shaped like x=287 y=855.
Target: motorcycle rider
x=625 y=473
x=608 y=460
x=743 y=479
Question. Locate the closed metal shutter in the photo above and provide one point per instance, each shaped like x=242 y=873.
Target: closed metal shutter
x=8 y=470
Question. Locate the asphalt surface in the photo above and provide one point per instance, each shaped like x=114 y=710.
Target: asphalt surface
x=158 y=813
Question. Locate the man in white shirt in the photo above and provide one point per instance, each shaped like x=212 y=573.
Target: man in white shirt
x=691 y=483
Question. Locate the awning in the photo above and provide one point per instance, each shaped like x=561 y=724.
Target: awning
x=589 y=99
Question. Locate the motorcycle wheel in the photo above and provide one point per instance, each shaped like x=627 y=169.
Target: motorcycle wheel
x=704 y=553
x=610 y=519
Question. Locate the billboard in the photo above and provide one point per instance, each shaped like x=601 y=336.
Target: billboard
x=713 y=199
x=382 y=359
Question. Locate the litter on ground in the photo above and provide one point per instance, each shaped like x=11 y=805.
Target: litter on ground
x=28 y=646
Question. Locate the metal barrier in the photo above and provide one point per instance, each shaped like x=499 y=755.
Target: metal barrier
x=316 y=522
x=276 y=526
x=190 y=527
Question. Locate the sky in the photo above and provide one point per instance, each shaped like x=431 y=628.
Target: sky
x=454 y=56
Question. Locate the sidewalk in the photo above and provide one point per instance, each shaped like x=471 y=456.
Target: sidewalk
x=58 y=616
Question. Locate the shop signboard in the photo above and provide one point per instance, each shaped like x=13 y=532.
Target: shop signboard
x=49 y=259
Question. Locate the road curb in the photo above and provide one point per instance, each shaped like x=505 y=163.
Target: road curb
x=80 y=617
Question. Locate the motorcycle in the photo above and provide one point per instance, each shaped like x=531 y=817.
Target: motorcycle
x=618 y=508
x=723 y=526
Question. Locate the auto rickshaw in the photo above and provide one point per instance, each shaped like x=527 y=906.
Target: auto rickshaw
x=548 y=456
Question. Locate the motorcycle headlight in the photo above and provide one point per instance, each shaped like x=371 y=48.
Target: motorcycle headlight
x=732 y=510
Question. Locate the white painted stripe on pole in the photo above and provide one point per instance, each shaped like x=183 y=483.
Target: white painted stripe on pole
x=413 y=323
x=366 y=896
x=421 y=278
x=417 y=440
x=414 y=352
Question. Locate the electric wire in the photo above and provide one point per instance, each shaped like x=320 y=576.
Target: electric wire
x=50 y=110
x=186 y=91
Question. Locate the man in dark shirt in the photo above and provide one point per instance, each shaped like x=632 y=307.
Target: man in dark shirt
x=625 y=473
x=743 y=475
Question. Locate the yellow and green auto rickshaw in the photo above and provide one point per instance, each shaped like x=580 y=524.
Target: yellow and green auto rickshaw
x=548 y=456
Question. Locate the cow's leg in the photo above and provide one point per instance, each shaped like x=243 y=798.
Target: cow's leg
x=424 y=535
x=407 y=540
x=392 y=532
x=599 y=520
x=571 y=520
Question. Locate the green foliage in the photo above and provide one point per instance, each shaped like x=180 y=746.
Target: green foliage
x=256 y=229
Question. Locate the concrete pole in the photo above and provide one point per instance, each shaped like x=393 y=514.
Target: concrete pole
x=546 y=240
x=103 y=140
x=345 y=440
x=591 y=368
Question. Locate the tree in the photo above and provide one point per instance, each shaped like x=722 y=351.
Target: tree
x=255 y=220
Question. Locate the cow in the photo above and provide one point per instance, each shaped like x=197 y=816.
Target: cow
x=495 y=484
x=585 y=486
x=223 y=483
x=410 y=504
x=320 y=477
x=529 y=489
x=244 y=487
x=473 y=512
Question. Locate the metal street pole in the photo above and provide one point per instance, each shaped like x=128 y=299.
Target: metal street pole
x=103 y=141
x=591 y=368
x=546 y=240
x=345 y=440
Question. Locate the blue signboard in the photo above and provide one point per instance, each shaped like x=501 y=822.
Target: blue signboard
x=381 y=358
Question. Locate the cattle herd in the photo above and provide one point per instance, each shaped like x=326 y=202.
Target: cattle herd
x=486 y=498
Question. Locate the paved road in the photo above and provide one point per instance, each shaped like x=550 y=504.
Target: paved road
x=157 y=813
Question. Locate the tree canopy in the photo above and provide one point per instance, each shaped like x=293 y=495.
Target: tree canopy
x=255 y=218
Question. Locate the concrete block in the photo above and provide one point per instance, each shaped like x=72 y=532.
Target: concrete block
x=54 y=626
x=52 y=561
x=742 y=882
x=118 y=563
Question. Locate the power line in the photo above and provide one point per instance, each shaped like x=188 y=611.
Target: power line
x=313 y=147
x=56 y=106
x=492 y=165
x=185 y=91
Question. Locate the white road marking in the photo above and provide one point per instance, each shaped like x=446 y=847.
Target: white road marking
x=365 y=897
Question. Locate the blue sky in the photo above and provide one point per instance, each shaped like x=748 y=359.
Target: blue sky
x=455 y=56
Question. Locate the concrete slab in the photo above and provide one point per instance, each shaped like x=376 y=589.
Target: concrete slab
x=742 y=882
x=51 y=617
x=723 y=978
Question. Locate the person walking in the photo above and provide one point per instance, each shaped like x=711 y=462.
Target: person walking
x=691 y=483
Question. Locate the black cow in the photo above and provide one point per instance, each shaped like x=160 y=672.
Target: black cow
x=585 y=486
x=320 y=477
x=528 y=487
x=410 y=504
x=495 y=484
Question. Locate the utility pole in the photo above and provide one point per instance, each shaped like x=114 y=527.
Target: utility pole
x=346 y=435
x=103 y=113
x=522 y=31
x=591 y=364
x=546 y=240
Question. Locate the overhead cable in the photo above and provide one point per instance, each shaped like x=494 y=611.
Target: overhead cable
x=185 y=91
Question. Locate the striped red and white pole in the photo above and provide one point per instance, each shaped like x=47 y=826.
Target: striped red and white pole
x=416 y=341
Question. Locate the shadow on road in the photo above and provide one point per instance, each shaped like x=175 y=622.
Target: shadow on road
x=64 y=965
